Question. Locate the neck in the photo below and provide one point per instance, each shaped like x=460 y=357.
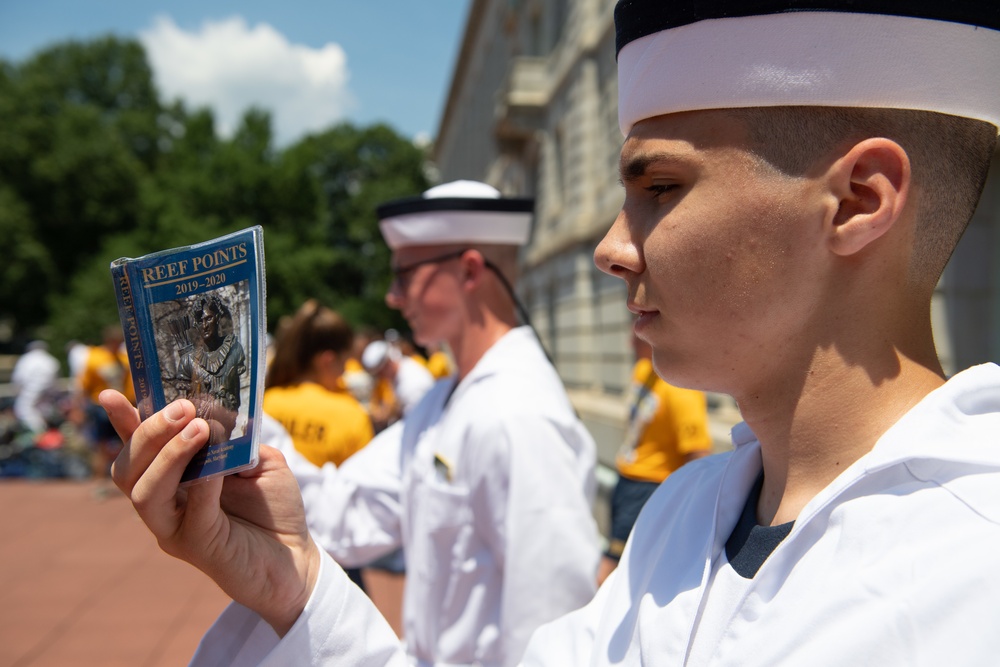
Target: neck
x=323 y=375
x=831 y=413
x=477 y=338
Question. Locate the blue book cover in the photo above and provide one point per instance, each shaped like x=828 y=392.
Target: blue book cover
x=194 y=323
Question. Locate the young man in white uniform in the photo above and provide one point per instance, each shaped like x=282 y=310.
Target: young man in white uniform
x=783 y=229
x=487 y=484
x=787 y=256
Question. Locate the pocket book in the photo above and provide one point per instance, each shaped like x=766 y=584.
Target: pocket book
x=194 y=324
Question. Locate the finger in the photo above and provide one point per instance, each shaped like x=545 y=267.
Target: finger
x=145 y=440
x=123 y=416
x=154 y=494
x=270 y=458
x=202 y=521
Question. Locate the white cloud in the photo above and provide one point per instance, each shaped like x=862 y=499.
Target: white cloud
x=422 y=139
x=230 y=67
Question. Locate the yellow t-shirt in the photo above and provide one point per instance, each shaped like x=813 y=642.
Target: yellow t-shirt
x=325 y=426
x=666 y=424
x=105 y=370
x=439 y=364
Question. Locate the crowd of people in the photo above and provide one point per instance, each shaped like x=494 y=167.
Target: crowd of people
x=790 y=204
x=330 y=402
x=56 y=427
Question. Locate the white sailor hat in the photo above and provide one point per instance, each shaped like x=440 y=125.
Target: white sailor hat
x=929 y=55
x=456 y=212
x=376 y=354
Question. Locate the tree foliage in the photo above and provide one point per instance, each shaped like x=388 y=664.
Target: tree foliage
x=94 y=166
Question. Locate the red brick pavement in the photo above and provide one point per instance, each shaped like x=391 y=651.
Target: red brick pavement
x=82 y=583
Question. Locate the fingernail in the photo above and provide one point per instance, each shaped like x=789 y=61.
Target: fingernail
x=190 y=431
x=173 y=412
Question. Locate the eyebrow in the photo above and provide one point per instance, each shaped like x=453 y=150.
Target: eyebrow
x=634 y=167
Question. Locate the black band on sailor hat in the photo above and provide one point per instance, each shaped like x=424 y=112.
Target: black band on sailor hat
x=683 y=55
x=456 y=212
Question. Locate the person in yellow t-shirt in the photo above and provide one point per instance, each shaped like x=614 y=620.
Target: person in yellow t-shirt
x=668 y=427
x=106 y=367
x=304 y=391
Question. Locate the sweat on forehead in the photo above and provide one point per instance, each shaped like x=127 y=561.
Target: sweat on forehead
x=896 y=54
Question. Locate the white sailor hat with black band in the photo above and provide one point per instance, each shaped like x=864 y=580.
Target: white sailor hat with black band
x=460 y=212
x=928 y=55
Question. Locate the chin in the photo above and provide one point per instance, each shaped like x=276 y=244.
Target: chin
x=431 y=342
x=421 y=338
x=676 y=372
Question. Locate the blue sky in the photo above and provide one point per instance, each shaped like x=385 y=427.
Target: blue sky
x=310 y=63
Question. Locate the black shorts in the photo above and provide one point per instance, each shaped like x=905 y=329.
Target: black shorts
x=101 y=430
x=627 y=500
x=394 y=563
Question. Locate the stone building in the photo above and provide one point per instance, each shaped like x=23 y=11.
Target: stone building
x=532 y=109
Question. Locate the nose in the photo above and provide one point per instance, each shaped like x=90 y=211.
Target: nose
x=618 y=253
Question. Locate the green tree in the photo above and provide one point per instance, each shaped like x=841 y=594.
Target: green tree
x=78 y=136
x=94 y=167
x=27 y=273
x=353 y=170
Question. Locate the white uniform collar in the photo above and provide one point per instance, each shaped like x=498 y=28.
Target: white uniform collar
x=948 y=424
x=956 y=424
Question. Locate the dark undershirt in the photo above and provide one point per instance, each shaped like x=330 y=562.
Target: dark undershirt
x=749 y=545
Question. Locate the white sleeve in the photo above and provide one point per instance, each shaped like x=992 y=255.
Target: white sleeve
x=339 y=625
x=412 y=383
x=354 y=511
x=568 y=640
x=273 y=434
x=308 y=475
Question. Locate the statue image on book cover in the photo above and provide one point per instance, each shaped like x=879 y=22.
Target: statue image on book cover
x=205 y=360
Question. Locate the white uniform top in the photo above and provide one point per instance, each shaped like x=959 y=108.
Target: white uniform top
x=76 y=357
x=412 y=381
x=499 y=534
x=894 y=563
x=35 y=372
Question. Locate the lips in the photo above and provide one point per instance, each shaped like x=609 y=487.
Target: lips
x=638 y=310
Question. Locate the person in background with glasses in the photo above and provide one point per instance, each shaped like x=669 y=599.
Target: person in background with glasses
x=487 y=484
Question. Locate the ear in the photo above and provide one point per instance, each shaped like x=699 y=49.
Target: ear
x=872 y=183
x=473 y=267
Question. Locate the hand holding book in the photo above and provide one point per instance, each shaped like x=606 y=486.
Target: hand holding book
x=246 y=531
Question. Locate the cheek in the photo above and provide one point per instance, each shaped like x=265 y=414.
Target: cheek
x=760 y=261
x=727 y=261
x=772 y=278
x=434 y=308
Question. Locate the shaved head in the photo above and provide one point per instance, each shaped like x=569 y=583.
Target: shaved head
x=949 y=156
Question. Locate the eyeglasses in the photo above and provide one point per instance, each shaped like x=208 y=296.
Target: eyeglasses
x=401 y=274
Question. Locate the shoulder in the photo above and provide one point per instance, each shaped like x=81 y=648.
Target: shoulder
x=701 y=475
x=305 y=395
x=950 y=491
x=641 y=370
x=347 y=405
x=522 y=387
x=692 y=489
x=672 y=535
x=278 y=393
